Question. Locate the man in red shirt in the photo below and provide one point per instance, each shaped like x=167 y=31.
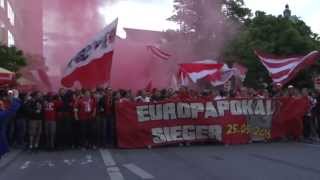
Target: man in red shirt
x=50 y=116
x=86 y=112
x=183 y=93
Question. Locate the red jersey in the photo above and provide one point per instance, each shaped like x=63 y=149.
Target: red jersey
x=50 y=111
x=183 y=96
x=86 y=108
x=58 y=107
x=207 y=98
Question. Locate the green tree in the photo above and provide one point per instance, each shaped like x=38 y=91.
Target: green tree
x=11 y=58
x=276 y=35
x=207 y=24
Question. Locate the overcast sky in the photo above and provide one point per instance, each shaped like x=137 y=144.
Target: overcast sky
x=152 y=14
x=307 y=10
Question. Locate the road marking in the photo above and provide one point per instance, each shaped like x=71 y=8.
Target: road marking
x=25 y=165
x=114 y=173
x=68 y=162
x=138 y=171
x=107 y=158
x=87 y=160
x=48 y=163
x=112 y=168
x=9 y=157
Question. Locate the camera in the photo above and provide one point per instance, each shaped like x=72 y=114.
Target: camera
x=10 y=92
x=13 y=93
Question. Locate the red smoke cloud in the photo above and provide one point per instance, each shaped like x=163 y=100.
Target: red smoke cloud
x=68 y=25
x=134 y=67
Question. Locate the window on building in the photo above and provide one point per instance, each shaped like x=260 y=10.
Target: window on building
x=10 y=39
x=10 y=13
x=2 y=3
x=2 y=32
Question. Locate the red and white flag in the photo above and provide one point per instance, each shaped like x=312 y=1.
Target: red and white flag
x=158 y=53
x=226 y=75
x=240 y=71
x=282 y=70
x=197 y=71
x=92 y=65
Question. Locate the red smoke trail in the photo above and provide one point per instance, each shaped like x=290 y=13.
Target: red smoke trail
x=70 y=24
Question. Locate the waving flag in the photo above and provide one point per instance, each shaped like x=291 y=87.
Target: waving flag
x=158 y=53
x=197 y=71
x=226 y=75
x=282 y=70
x=92 y=65
x=240 y=70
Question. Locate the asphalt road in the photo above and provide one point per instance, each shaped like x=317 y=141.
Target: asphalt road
x=292 y=161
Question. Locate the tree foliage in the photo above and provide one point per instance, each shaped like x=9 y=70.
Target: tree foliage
x=277 y=35
x=210 y=27
x=202 y=23
x=11 y=58
x=193 y=15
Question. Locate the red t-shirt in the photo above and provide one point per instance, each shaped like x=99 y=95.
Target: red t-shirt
x=184 y=96
x=58 y=104
x=50 y=110
x=207 y=98
x=86 y=108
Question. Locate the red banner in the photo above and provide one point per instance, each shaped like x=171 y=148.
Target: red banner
x=230 y=121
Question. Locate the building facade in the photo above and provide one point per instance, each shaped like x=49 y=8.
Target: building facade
x=8 y=23
x=21 y=25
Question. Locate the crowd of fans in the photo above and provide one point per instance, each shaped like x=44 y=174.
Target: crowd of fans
x=86 y=119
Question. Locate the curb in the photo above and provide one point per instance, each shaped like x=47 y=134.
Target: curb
x=7 y=159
